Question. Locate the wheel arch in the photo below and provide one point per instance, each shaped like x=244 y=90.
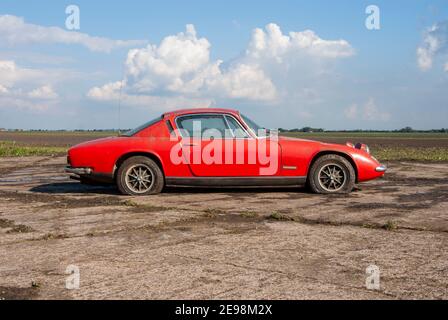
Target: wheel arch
x=339 y=153
x=128 y=155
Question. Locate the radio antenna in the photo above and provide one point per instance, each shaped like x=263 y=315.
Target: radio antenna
x=119 y=99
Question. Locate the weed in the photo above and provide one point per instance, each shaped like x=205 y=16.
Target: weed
x=11 y=149
x=279 y=217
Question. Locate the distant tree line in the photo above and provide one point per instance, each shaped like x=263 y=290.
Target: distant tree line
x=304 y=129
x=402 y=130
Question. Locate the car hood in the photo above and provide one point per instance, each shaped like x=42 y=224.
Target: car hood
x=324 y=146
x=290 y=139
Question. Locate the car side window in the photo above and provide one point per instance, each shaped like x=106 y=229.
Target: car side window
x=235 y=127
x=209 y=126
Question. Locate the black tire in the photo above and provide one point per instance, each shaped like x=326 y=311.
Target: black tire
x=131 y=186
x=325 y=175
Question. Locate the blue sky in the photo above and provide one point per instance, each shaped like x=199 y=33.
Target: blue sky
x=284 y=63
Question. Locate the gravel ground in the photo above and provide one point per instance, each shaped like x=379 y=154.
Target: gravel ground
x=222 y=243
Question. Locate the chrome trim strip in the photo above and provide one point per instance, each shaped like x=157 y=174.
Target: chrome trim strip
x=381 y=169
x=289 y=168
x=78 y=171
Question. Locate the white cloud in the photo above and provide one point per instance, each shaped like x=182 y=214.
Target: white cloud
x=3 y=90
x=179 y=63
x=12 y=74
x=369 y=111
x=111 y=92
x=272 y=43
x=435 y=42
x=106 y=92
x=180 y=67
x=23 y=104
x=14 y=81
x=44 y=92
x=243 y=81
x=14 y=30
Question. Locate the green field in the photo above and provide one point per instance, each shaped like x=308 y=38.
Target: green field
x=11 y=149
x=388 y=146
x=385 y=146
x=370 y=135
x=410 y=153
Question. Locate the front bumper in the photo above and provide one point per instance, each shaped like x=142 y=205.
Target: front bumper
x=381 y=169
x=79 y=171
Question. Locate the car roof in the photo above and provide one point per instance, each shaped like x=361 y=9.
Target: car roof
x=200 y=110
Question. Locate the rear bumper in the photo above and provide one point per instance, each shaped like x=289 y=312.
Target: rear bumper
x=381 y=168
x=87 y=174
x=78 y=171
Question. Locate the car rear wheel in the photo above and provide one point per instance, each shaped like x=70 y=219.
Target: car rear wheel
x=332 y=174
x=139 y=176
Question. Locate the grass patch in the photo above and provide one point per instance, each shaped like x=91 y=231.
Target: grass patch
x=53 y=236
x=130 y=203
x=390 y=226
x=211 y=213
x=279 y=217
x=21 y=228
x=143 y=207
x=11 y=149
x=249 y=214
x=410 y=153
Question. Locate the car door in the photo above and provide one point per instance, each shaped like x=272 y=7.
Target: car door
x=217 y=145
x=202 y=143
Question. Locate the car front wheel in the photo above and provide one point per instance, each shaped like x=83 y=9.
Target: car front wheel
x=332 y=174
x=139 y=176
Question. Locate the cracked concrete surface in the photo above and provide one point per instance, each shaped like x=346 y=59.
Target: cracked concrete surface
x=222 y=243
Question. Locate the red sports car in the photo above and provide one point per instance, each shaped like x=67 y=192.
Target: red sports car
x=218 y=148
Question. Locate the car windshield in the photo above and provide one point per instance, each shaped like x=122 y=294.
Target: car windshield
x=140 y=128
x=258 y=130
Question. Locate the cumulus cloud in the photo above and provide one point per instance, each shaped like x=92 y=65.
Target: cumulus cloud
x=14 y=30
x=23 y=104
x=180 y=67
x=243 y=81
x=13 y=83
x=369 y=111
x=179 y=63
x=12 y=74
x=435 y=42
x=272 y=43
x=44 y=92
x=113 y=92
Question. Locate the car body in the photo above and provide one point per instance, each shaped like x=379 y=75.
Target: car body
x=166 y=147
